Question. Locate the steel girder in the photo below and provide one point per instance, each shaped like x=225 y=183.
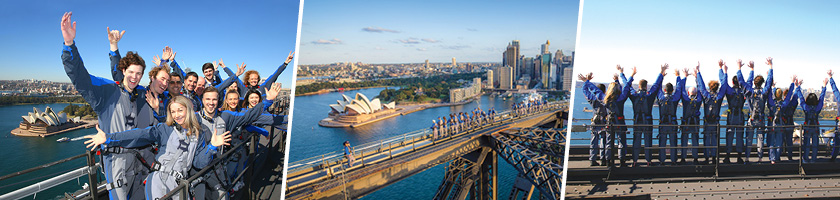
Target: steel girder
x=550 y=142
x=544 y=174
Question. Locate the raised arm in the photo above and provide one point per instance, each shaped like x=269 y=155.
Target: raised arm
x=833 y=86
x=177 y=68
x=684 y=94
x=801 y=97
x=654 y=89
x=114 y=37
x=234 y=120
x=677 y=90
x=789 y=94
x=701 y=86
x=629 y=88
x=93 y=89
x=225 y=84
x=822 y=98
x=749 y=84
x=273 y=78
x=588 y=93
x=769 y=83
x=130 y=138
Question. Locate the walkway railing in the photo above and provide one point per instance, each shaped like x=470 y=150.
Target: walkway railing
x=91 y=170
x=798 y=148
x=246 y=175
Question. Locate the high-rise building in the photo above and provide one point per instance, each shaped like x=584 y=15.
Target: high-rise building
x=545 y=48
x=528 y=66
x=545 y=69
x=505 y=77
x=517 y=70
x=511 y=58
x=454 y=64
x=490 y=79
x=427 y=63
x=567 y=79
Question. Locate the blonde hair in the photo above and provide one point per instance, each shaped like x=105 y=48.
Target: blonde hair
x=225 y=105
x=612 y=92
x=248 y=75
x=191 y=121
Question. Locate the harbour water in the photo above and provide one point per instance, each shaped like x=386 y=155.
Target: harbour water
x=20 y=153
x=310 y=140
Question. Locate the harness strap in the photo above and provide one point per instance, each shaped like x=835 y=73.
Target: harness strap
x=116 y=184
x=120 y=150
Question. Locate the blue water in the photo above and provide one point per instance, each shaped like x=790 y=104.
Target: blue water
x=581 y=103
x=310 y=140
x=20 y=153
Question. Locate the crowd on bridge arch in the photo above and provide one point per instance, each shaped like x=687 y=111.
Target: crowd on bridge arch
x=464 y=121
x=155 y=136
x=768 y=120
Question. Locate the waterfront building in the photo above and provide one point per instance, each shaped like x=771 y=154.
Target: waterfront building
x=38 y=122
x=359 y=109
x=471 y=90
x=505 y=77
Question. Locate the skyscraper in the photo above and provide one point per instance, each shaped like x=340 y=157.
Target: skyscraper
x=454 y=64
x=490 y=79
x=427 y=63
x=545 y=48
x=545 y=69
x=505 y=77
x=545 y=65
x=567 y=79
x=511 y=58
x=517 y=68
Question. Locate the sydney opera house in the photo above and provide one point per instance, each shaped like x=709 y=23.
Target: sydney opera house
x=359 y=109
x=39 y=123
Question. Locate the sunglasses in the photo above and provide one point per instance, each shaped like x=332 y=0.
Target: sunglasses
x=174 y=82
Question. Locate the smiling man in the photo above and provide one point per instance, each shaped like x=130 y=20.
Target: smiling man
x=116 y=103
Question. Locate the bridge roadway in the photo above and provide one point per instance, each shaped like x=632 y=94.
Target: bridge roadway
x=387 y=165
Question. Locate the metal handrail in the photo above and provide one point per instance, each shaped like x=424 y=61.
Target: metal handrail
x=33 y=189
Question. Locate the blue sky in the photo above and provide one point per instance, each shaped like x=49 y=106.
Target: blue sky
x=801 y=36
x=385 y=31
x=259 y=33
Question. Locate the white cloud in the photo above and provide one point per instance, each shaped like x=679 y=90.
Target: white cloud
x=378 y=30
x=332 y=41
x=429 y=40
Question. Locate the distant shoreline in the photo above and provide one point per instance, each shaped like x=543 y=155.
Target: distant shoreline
x=327 y=91
x=20 y=104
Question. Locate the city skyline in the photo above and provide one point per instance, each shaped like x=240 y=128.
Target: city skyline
x=406 y=32
x=196 y=31
x=648 y=34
